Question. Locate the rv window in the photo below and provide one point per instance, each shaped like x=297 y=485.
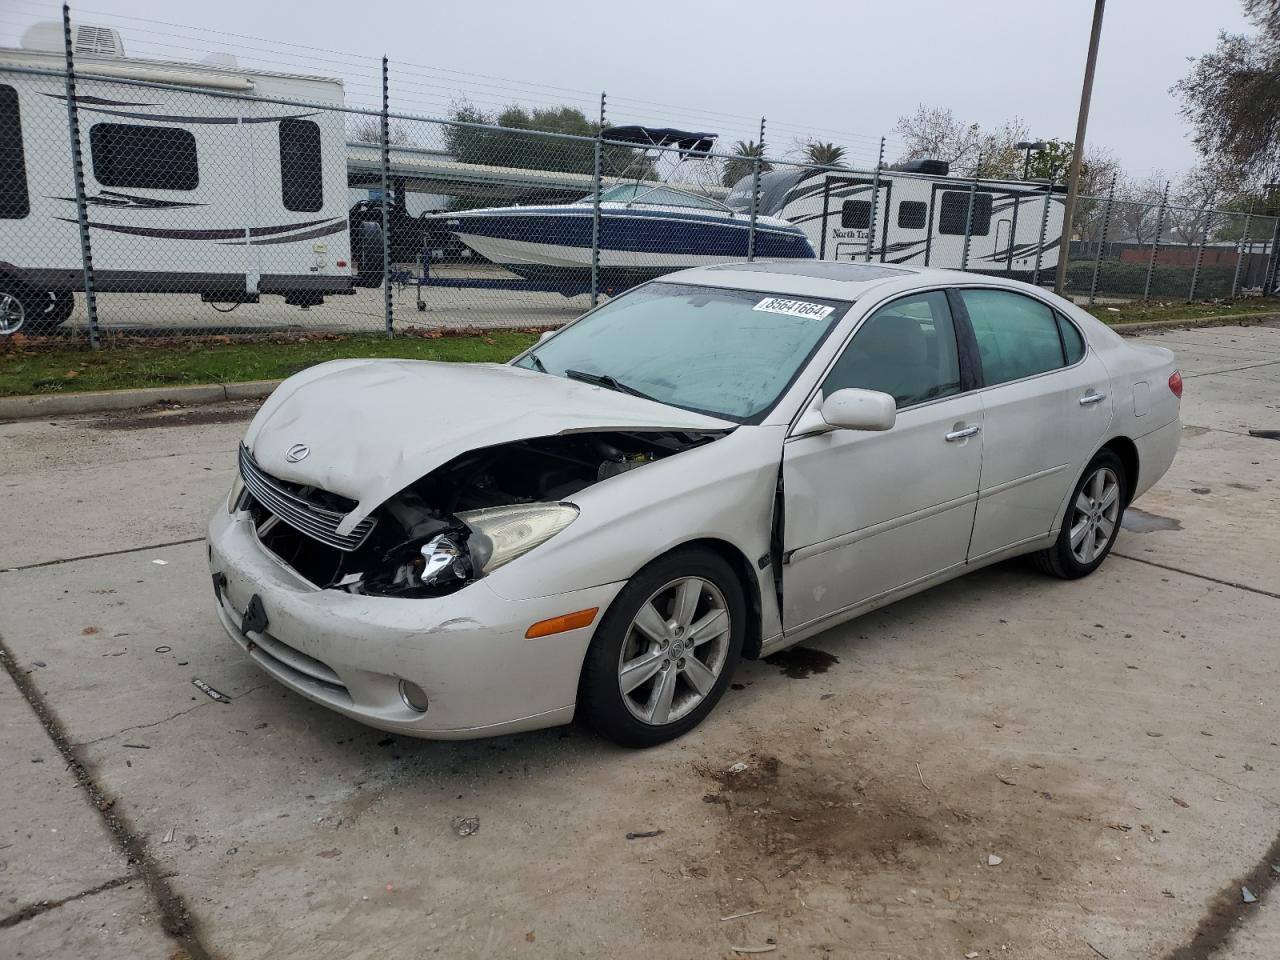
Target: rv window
x=14 y=203
x=955 y=206
x=856 y=215
x=913 y=215
x=301 y=177
x=148 y=158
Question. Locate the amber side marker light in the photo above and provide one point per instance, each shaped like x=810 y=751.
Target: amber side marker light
x=566 y=621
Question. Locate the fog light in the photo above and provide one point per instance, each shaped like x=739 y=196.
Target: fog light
x=414 y=697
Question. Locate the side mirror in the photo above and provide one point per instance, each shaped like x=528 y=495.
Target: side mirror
x=856 y=409
x=546 y=335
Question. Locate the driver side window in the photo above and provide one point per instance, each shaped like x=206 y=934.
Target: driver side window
x=906 y=349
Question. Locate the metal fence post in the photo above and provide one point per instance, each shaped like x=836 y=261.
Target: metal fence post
x=1044 y=228
x=77 y=169
x=1102 y=239
x=968 y=217
x=1269 y=279
x=596 y=183
x=1155 y=243
x=875 y=202
x=1195 y=273
x=385 y=128
x=755 y=195
x=1240 y=254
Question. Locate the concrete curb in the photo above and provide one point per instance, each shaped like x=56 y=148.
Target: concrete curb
x=38 y=405
x=33 y=406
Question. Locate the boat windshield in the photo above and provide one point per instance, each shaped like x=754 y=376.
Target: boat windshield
x=656 y=195
x=727 y=353
x=774 y=187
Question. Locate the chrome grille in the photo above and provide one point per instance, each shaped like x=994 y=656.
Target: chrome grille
x=317 y=522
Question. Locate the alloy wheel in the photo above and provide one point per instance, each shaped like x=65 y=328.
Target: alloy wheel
x=1095 y=515
x=674 y=650
x=12 y=313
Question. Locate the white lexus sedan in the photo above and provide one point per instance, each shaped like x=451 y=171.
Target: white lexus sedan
x=709 y=467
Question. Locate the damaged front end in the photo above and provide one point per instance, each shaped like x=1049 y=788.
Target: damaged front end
x=459 y=522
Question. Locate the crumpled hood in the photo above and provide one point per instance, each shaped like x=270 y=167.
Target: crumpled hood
x=375 y=426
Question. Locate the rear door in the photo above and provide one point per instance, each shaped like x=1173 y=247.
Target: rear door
x=1046 y=408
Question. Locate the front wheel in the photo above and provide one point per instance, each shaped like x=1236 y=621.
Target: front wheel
x=19 y=306
x=665 y=650
x=1092 y=521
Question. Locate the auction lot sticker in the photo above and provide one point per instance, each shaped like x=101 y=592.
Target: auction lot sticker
x=793 y=308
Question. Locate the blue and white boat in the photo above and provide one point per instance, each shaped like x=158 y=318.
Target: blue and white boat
x=647 y=228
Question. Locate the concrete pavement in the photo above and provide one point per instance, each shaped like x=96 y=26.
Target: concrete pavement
x=1112 y=741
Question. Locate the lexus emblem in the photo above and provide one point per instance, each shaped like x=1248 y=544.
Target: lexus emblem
x=297 y=452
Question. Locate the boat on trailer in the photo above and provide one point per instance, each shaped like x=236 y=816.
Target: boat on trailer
x=647 y=227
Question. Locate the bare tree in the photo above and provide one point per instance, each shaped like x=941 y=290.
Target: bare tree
x=935 y=133
x=366 y=129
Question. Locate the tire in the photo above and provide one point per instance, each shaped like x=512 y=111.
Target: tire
x=1097 y=525
x=664 y=683
x=20 y=306
x=57 y=308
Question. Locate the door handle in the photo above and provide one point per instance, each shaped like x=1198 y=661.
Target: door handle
x=962 y=433
x=1091 y=398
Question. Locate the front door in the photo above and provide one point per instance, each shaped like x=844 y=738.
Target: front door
x=868 y=512
x=1046 y=410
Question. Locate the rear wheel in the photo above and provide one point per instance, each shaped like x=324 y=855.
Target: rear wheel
x=20 y=306
x=1092 y=521
x=665 y=651
x=57 y=308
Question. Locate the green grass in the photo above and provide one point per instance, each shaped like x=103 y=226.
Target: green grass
x=1138 y=312
x=26 y=370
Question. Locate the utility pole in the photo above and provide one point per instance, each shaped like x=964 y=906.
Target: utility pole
x=1077 y=152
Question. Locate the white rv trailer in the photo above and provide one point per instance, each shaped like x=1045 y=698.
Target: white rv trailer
x=187 y=192
x=919 y=216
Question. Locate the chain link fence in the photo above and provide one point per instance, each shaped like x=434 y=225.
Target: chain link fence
x=153 y=200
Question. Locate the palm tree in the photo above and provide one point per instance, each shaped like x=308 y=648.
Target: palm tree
x=742 y=163
x=823 y=154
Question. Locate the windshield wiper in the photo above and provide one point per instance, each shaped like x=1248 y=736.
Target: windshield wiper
x=604 y=380
x=537 y=364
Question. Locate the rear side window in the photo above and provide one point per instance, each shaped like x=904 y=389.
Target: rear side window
x=955 y=208
x=301 y=176
x=1072 y=341
x=147 y=158
x=912 y=215
x=855 y=214
x=1017 y=336
x=14 y=202
x=906 y=349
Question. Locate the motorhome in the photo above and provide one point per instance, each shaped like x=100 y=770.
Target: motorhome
x=914 y=213
x=195 y=181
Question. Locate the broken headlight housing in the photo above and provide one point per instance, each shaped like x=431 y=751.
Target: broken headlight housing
x=501 y=534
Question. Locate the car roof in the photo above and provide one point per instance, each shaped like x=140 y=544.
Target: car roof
x=815 y=278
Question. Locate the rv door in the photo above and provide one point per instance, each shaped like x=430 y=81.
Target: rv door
x=854 y=219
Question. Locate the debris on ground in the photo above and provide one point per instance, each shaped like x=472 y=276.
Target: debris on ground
x=163 y=648
x=1007 y=781
x=644 y=834
x=767 y=948
x=739 y=916
x=1247 y=895
x=1180 y=802
x=161 y=563
x=993 y=860
x=209 y=691
x=168 y=837
x=738 y=767
x=137 y=746
x=465 y=826
x=971 y=954
x=1265 y=434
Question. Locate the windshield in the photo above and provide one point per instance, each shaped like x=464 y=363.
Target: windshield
x=728 y=353
x=774 y=187
x=654 y=194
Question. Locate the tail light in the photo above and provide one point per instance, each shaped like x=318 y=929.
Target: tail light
x=342 y=263
x=1175 y=384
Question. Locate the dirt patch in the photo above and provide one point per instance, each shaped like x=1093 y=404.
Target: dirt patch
x=791 y=815
x=800 y=663
x=1140 y=521
x=177 y=418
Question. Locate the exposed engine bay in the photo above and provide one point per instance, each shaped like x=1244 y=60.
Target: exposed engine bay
x=468 y=516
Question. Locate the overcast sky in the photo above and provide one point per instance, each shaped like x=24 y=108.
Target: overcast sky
x=842 y=71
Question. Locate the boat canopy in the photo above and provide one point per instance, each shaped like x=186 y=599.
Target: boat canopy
x=687 y=142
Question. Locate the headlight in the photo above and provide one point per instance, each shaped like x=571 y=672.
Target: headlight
x=500 y=534
x=233 y=498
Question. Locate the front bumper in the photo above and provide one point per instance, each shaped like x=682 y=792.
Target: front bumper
x=467 y=650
